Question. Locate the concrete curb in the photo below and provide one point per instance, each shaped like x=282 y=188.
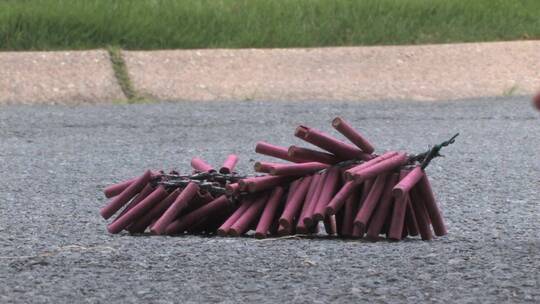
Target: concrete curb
x=64 y=77
x=425 y=72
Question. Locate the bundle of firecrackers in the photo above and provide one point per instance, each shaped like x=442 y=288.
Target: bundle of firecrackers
x=340 y=189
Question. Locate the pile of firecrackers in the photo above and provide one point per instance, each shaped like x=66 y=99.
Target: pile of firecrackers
x=341 y=188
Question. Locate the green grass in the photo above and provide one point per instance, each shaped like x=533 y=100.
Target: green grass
x=160 y=24
x=121 y=73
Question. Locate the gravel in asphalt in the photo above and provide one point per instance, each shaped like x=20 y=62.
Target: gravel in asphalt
x=54 y=247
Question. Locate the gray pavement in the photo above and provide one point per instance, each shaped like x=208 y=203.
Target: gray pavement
x=54 y=247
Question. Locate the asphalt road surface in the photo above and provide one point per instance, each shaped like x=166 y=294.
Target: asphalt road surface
x=54 y=247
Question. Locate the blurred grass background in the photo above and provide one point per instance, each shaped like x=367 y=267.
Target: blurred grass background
x=170 y=24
